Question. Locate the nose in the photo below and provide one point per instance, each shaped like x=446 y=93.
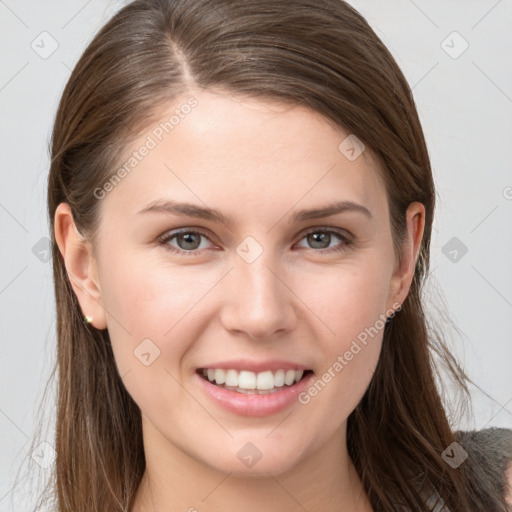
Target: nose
x=259 y=300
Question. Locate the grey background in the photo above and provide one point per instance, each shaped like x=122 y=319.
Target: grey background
x=465 y=103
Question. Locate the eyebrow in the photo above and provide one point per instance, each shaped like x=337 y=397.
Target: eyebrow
x=212 y=214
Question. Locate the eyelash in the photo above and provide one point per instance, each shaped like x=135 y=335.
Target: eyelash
x=166 y=238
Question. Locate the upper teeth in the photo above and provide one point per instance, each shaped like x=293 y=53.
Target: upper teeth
x=251 y=380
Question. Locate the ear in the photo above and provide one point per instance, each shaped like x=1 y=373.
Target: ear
x=80 y=266
x=404 y=269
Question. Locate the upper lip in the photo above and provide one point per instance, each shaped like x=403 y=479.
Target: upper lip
x=255 y=366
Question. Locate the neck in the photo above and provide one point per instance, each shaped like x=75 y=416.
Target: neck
x=326 y=481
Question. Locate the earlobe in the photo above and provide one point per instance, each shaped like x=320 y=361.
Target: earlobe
x=80 y=266
x=404 y=271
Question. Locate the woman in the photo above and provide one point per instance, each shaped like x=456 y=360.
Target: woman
x=242 y=201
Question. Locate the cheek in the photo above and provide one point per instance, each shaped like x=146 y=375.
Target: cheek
x=149 y=297
x=149 y=327
x=347 y=300
x=151 y=300
x=351 y=306
x=335 y=392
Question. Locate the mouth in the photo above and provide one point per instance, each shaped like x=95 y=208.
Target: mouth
x=253 y=383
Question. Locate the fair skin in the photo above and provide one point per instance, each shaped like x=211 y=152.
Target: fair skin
x=258 y=163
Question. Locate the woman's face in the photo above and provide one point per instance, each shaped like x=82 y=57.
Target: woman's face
x=277 y=285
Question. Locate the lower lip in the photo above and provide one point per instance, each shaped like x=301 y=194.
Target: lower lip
x=254 y=405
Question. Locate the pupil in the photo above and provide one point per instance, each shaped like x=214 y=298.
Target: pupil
x=189 y=239
x=317 y=238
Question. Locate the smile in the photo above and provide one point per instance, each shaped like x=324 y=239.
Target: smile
x=249 y=382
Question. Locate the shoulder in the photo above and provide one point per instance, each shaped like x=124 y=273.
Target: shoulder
x=489 y=459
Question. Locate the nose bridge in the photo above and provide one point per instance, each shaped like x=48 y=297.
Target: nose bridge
x=258 y=284
x=260 y=303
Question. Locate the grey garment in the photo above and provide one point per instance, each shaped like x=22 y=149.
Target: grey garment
x=486 y=454
x=489 y=453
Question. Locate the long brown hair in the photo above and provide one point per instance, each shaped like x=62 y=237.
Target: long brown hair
x=321 y=54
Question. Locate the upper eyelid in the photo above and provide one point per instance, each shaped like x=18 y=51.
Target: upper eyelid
x=175 y=232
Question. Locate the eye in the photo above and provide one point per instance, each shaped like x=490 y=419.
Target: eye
x=321 y=238
x=188 y=242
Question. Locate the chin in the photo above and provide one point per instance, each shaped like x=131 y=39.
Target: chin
x=246 y=460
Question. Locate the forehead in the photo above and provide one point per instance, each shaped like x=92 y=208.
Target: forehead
x=244 y=153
